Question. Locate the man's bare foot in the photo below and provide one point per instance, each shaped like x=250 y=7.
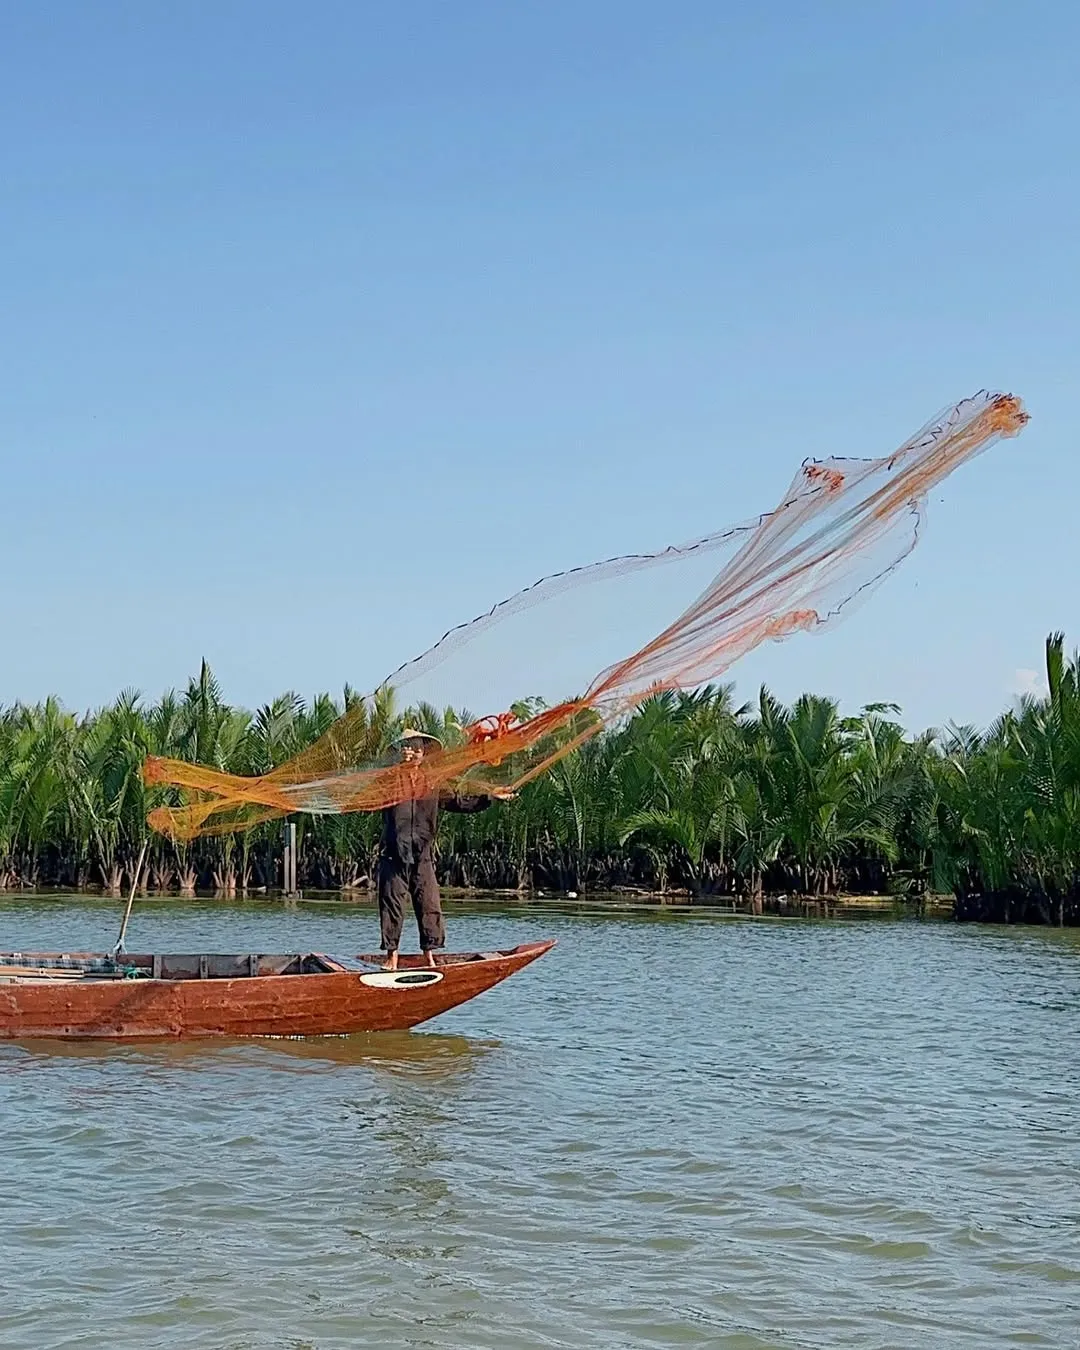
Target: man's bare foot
x=429 y=956
x=391 y=963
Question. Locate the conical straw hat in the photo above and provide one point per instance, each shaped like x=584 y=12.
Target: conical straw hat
x=412 y=734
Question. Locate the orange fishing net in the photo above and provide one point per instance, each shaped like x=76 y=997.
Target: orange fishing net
x=842 y=527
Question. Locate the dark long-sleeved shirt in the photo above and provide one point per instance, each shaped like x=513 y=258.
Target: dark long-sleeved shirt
x=409 y=827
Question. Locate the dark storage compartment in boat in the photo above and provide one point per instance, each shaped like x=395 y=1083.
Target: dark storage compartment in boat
x=128 y=966
x=212 y=966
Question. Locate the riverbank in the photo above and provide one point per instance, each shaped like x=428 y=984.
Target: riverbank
x=622 y=901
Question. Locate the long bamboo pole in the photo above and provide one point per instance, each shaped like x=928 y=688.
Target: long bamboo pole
x=131 y=900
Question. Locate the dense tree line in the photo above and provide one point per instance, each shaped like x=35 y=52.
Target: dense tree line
x=691 y=793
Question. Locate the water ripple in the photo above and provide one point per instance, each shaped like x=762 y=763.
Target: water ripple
x=674 y=1131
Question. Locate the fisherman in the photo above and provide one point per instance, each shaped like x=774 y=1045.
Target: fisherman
x=406 y=864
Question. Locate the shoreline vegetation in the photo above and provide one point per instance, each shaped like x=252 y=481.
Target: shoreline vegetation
x=760 y=809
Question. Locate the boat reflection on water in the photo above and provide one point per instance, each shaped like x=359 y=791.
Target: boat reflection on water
x=415 y=1055
x=407 y=1054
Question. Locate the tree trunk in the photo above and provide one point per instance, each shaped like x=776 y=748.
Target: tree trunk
x=161 y=875
x=225 y=880
x=129 y=877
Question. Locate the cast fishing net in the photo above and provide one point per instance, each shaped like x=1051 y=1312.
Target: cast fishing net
x=841 y=528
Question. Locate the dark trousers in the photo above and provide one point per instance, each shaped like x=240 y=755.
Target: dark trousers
x=400 y=881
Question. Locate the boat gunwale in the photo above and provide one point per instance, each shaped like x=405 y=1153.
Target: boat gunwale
x=108 y=967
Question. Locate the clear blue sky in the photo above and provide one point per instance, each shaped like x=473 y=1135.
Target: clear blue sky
x=326 y=325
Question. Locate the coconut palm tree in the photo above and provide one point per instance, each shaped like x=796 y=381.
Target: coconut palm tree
x=110 y=754
x=37 y=788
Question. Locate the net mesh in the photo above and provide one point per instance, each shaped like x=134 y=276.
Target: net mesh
x=841 y=528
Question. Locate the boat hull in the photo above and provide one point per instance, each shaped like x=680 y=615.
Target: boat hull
x=332 y=1002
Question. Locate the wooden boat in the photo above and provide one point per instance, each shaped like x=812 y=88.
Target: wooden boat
x=96 y=996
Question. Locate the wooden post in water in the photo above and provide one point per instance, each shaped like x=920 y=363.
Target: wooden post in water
x=289 y=862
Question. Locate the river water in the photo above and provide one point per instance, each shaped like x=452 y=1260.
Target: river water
x=676 y=1129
